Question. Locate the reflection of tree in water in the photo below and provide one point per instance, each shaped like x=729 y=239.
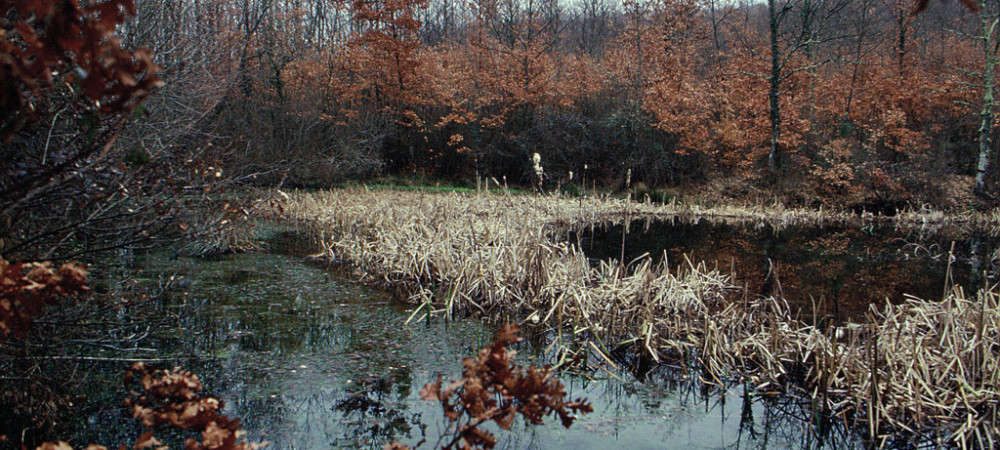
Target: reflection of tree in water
x=765 y=421
x=985 y=264
x=670 y=397
x=376 y=412
x=827 y=274
x=781 y=419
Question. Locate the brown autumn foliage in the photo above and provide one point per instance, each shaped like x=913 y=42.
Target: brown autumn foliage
x=921 y=5
x=26 y=288
x=172 y=397
x=495 y=389
x=44 y=42
x=387 y=41
x=61 y=445
x=876 y=108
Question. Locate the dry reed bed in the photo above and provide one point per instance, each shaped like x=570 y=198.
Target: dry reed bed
x=926 y=369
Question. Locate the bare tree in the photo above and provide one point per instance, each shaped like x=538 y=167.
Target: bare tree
x=793 y=27
x=989 y=46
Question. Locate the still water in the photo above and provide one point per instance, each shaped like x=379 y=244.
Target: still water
x=308 y=359
x=836 y=272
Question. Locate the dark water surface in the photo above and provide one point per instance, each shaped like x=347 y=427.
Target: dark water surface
x=307 y=359
x=836 y=271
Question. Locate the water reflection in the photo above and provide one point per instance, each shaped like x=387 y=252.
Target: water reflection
x=306 y=359
x=834 y=271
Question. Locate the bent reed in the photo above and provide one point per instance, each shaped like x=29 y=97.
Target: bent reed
x=926 y=370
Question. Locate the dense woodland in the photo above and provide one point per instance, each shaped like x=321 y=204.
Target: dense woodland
x=835 y=101
x=847 y=103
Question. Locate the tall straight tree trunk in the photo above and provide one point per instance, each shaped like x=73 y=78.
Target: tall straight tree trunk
x=774 y=156
x=808 y=14
x=903 y=18
x=989 y=25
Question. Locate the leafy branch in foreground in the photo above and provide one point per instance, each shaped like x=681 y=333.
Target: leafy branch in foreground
x=171 y=397
x=25 y=288
x=495 y=389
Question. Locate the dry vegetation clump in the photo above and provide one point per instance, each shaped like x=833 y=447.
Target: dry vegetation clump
x=929 y=370
x=930 y=361
x=924 y=369
x=495 y=253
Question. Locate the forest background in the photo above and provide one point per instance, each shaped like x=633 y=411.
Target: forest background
x=835 y=102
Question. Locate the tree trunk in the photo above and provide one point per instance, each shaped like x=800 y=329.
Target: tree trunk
x=774 y=156
x=903 y=17
x=986 y=113
x=808 y=14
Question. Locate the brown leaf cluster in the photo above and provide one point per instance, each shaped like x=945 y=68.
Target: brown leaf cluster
x=46 y=42
x=921 y=5
x=25 y=288
x=171 y=397
x=494 y=388
x=62 y=445
x=384 y=54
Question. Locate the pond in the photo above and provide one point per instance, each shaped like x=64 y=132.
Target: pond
x=831 y=273
x=307 y=358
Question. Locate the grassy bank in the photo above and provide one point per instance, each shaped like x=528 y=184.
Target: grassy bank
x=928 y=370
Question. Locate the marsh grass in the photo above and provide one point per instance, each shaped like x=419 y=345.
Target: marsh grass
x=927 y=370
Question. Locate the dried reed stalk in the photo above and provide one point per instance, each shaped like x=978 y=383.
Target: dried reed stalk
x=926 y=369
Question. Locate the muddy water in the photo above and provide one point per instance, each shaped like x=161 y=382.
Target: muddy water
x=835 y=271
x=309 y=359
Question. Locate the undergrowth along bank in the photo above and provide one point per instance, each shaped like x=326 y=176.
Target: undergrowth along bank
x=925 y=369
